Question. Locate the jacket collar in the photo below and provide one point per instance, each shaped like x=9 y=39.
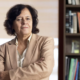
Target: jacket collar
x=13 y=41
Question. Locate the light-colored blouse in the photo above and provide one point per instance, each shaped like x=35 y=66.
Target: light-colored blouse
x=20 y=58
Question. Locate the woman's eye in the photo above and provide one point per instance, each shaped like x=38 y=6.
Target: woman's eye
x=18 y=19
x=28 y=18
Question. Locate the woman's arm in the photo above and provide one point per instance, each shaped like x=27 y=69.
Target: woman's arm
x=1 y=59
x=37 y=70
x=4 y=75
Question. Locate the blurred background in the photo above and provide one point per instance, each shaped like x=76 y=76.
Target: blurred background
x=48 y=23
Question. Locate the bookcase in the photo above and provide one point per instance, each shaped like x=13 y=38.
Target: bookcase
x=68 y=38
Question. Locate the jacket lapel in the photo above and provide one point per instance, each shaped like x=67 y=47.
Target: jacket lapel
x=12 y=53
x=30 y=50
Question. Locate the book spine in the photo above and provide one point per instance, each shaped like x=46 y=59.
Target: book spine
x=74 y=23
x=74 y=69
x=72 y=47
x=73 y=2
x=67 y=23
x=71 y=68
x=66 y=61
x=69 y=2
x=77 y=72
x=75 y=46
x=68 y=67
x=78 y=16
x=77 y=2
x=70 y=21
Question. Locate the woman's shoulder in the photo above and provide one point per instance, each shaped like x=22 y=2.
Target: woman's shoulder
x=45 y=40
x=41 y=38
x=3 y=46
x=7 y=43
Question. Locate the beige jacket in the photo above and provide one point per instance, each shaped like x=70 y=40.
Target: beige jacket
x=39 y=46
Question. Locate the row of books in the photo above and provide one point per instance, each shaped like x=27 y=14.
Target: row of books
x=72 y=22
x=73 y=2
x=72 y=69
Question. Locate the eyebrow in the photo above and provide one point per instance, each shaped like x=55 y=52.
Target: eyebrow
x=21 y=16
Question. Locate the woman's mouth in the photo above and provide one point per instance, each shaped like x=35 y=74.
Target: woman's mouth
x=24 y=27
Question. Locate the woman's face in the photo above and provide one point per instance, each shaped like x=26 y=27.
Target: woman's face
x=23 y=23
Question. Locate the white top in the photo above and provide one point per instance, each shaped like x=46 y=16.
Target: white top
x=20 y=58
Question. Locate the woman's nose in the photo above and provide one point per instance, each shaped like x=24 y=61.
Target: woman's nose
x=24 y=21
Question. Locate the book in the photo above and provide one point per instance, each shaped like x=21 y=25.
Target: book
x=74 y=23
x=77 y=72
x=73 y=2
x=77 y=2
x=66 y=61
x=69 y=21
x=75 y=46
x=69 y=2
x=74 y=68
x=71 y=69
x=67 y=67
x=78 y=16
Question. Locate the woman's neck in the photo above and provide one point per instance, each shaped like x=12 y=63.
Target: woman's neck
x=23 y=39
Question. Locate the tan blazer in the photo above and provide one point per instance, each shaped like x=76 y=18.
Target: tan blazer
x=39 y=46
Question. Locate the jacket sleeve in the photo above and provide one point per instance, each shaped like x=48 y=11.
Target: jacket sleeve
x=1 y=58
x=36 y=71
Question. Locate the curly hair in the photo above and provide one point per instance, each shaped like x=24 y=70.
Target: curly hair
x=14 y=12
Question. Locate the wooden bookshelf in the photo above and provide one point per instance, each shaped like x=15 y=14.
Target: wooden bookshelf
x=68 y=37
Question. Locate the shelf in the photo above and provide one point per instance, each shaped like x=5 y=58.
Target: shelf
x=72 y=54
x=72 y=6
x=72 y=34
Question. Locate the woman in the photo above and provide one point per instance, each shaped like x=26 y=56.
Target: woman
x=28 y=56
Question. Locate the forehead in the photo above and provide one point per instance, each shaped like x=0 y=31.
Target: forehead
x=24 y=12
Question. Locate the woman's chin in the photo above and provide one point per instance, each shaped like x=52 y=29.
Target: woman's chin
x=25 y=33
